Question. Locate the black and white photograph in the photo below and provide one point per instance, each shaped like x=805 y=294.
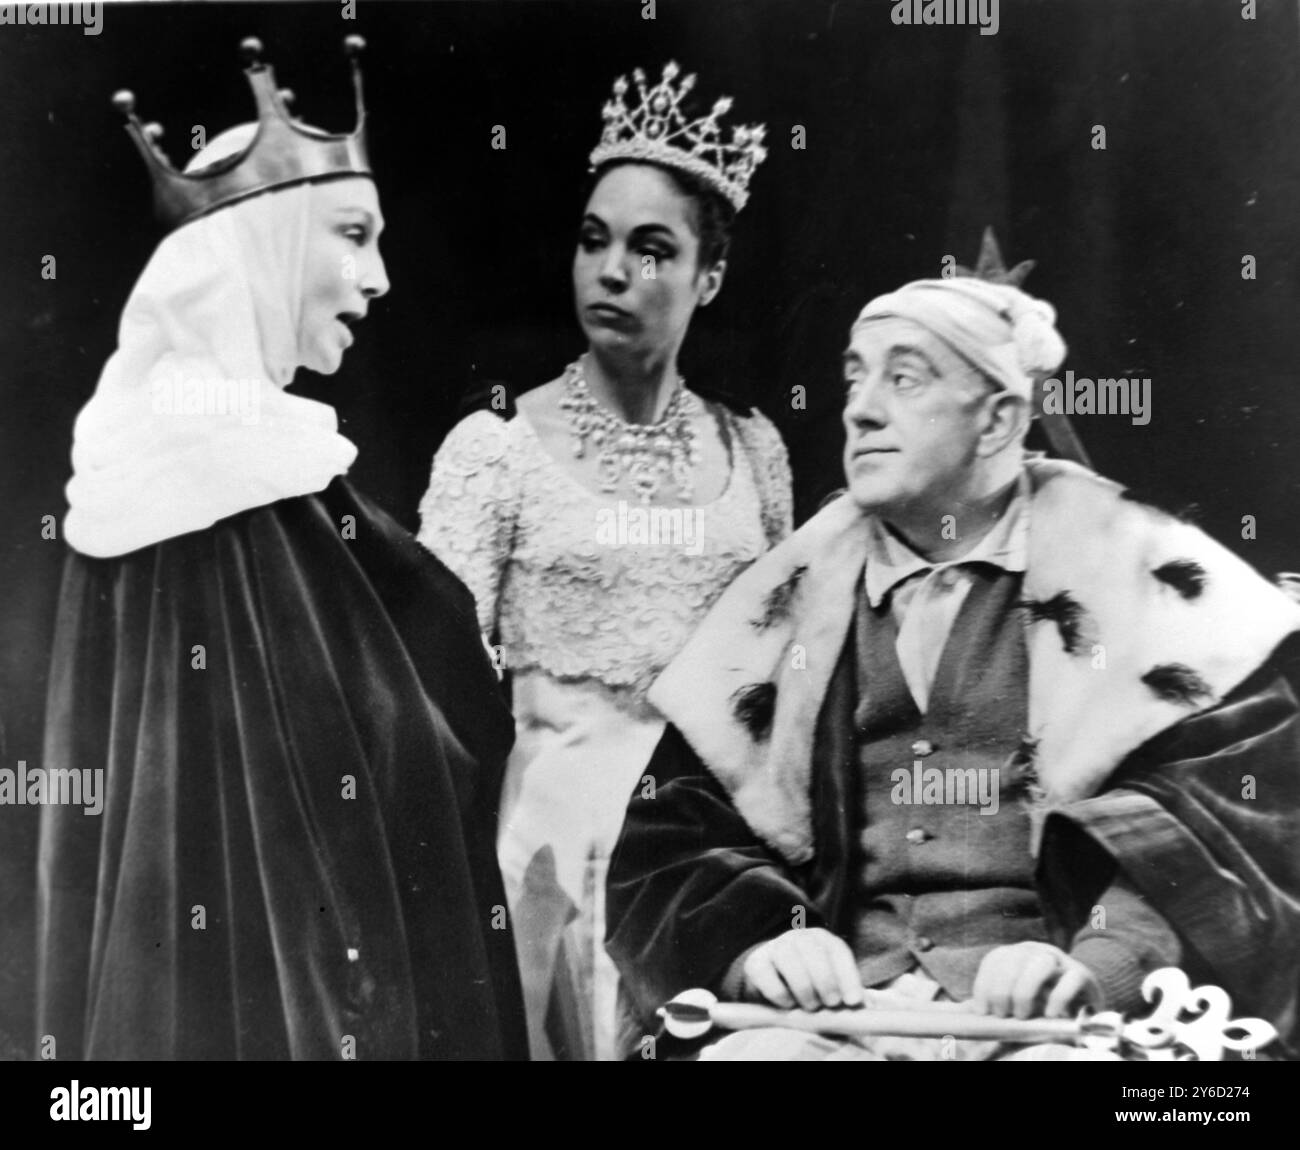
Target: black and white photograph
x=651 y=530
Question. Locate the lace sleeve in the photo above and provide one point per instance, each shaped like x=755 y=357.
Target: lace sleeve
x=467 y=516
x=771 y=466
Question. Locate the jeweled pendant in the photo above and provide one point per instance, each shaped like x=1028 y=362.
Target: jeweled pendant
x=608 y=471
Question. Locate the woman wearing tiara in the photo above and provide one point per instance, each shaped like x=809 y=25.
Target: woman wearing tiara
x=286 y=698
x=596 y=526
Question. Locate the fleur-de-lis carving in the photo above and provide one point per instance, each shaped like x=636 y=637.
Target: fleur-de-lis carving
x=1169 y=1034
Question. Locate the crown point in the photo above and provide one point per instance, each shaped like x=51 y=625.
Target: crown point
x=638 y=75
x=670 y=70
x=990 y=266
x=289 y=155
x=722 y=106
x=354 y=45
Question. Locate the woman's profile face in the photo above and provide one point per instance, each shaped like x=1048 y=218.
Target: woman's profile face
x=343 y=269
x=636 y=275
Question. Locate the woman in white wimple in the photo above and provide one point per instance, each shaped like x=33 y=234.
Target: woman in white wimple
x=285 y=698
x=597 y=526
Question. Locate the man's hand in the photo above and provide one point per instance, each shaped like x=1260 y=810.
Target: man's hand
x=1031 y=978
x=809 y=967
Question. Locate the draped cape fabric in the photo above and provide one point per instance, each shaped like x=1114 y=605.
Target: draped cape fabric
x=297 y=840
x=190 y=421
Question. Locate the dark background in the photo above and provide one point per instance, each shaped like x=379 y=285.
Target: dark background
x=916 y=138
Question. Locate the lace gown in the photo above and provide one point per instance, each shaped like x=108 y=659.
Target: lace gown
x=586 y=600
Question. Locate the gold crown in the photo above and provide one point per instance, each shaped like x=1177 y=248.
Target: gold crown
x=658 y=131
x=283 y=150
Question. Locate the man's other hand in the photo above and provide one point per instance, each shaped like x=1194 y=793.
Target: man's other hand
x=809 y=967
x=1032 y=978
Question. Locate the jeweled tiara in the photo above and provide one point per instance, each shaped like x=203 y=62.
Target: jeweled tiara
x=658 y=131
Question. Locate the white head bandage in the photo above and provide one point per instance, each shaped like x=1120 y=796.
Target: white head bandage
x=1009 y=335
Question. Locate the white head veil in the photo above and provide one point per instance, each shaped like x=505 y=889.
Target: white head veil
x=190 y=422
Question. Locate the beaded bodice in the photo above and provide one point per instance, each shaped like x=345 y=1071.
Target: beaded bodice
x=587 y=586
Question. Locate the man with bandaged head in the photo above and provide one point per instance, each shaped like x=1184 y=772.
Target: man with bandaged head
x=986 y=729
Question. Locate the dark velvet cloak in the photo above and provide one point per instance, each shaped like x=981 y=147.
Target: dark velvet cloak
x=691 y=886
x=297 y=842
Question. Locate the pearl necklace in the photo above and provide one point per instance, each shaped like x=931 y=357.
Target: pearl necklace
x=645 y=454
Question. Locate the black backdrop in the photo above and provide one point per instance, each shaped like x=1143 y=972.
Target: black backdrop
x=916 y=138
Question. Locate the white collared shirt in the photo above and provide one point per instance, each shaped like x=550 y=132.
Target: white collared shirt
x=925 y=597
